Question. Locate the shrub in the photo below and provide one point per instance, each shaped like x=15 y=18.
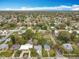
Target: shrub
x=33 y=53
x=52 y=53
x=17 y=54
x=44 y=53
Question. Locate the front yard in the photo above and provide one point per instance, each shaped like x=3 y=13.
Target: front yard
x=74 y=53
x=7 y=53
x=17 y=54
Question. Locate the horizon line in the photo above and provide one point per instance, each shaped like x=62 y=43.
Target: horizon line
x=58 y=8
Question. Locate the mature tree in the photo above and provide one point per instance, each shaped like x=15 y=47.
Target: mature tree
x=64 y=37
x=28 y=34
x=37 y=35
x=16 y=38
x=40 y=39
x=13 y=39
x=73 y=36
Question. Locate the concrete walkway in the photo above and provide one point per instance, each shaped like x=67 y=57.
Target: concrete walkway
x=21 y=55
x=13 y=54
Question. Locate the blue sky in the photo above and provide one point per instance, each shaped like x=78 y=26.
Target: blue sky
x=39 y=5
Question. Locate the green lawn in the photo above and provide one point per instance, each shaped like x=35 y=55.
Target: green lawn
x=7 y=53
x=52 y=53
x=44 y=53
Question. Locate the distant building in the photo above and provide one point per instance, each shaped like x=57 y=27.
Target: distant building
x=2 y=39
x=22 y=31
x=70 y=31
x=56 y=33
x=4 y=32
x=77 y=32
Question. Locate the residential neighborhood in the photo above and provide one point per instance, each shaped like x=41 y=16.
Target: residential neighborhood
x=39 y=34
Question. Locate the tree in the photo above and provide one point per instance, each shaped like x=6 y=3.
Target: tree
x=21 y=40
x=29 y=34
x=44 y=53
x=40 y=39
x=16 y=38
x=73 y=36
x=52 y=53
x=33 y=52
x=64 y=37
x=37 y=35
x=13 y=39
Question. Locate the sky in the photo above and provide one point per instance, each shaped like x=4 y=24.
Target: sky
x=39 y=5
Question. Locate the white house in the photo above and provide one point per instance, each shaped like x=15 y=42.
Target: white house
x=26 y=47
x=70 y=31
x=68 y=47
x=77 y=32
x=56 y=32
x=4 y=32
x=22 y=31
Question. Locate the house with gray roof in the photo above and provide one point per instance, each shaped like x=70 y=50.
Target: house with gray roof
x=38 y=49
x=4 y=46
x=46 y=47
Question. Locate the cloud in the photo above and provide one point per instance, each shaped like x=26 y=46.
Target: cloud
x=62 y=7
x=75 y=7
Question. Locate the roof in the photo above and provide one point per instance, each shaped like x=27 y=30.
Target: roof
x=3 y=46
x=56 y=31
x=52 y=27
x=2 y=39
x=26 y=47
x=47 y=47
x=38 y=47
x=77 y=32
x=70 y=31
x=68 y=46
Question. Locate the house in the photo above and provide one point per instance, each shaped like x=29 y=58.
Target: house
x=38 y=49
x=78 y=44
x=7 y=40
x=77 y=32
x=22 y=31
x=2 y=39
x=68 y=47
x=52 y=27
x=46 y=47
x=4 y=32
x=4 y=46
x=70 y=31
x=56 y=32
x=26 y=47
x=42 y=31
